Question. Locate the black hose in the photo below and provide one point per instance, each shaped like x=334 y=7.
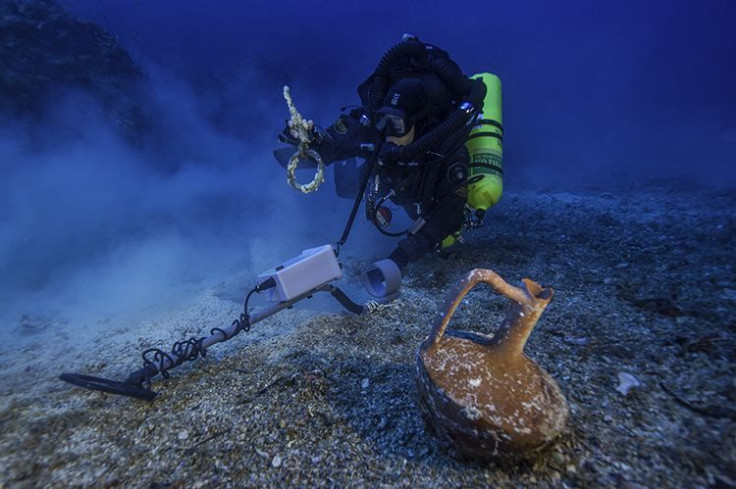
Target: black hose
x=451 y=75
x=446 y=129
x=444 y=155
x=381 y=76
x=374 y=219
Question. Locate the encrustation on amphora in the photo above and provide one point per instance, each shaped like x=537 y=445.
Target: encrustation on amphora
x=482 y=395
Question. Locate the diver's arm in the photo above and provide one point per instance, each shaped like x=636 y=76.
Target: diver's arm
x=344 y=138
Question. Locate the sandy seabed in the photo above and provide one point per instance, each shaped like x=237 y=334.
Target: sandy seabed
x=641 y=337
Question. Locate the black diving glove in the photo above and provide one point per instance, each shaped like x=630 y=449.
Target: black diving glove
x=288 y=135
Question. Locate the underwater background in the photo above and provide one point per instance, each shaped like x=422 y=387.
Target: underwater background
x=600 y=95
x=606 y=93
x=139 y=199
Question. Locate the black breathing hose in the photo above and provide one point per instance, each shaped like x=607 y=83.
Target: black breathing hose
x=450 y=73
x=446 y=129
x=381 y=76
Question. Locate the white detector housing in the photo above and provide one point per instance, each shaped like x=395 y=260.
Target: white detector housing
x=312 y=268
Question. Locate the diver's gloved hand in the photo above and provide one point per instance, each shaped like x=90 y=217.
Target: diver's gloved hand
x=290 y=135
x=383 y=279
x=388 y=154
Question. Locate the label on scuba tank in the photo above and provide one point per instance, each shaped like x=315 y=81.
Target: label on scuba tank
x=491 y=162
x=487 y=167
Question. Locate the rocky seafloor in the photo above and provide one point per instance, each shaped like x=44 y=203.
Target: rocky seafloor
x=641 y=337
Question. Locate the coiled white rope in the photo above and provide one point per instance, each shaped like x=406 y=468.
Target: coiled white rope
x=303 y=129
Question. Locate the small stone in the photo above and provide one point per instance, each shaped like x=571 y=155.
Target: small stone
x=183 y=435
x=558 y=458
x=276 y=462
x=571 y=469
x=365 y=383
x=573 y=340
x=626 y=382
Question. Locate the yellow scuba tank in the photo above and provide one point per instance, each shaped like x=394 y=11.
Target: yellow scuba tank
x=485 y=146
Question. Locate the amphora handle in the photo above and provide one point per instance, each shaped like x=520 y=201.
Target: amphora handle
x=531 y=297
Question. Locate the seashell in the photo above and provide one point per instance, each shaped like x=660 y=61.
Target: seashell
x=482 y=395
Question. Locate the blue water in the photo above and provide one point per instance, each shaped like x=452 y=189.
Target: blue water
x=598 y=92
x=597 y=95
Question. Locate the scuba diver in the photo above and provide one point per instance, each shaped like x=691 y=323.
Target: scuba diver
x=417 y=111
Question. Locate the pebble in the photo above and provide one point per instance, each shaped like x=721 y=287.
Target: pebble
x=276 y=462
x=626 y=382
x=183 y=435
x=573 y=340
x=559 y=458
x=365 y=383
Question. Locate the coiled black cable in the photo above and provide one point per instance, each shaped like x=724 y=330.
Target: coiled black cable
x=243 y=322
x=191 y=349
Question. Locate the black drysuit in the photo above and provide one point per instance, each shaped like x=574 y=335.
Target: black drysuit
x=426 y=188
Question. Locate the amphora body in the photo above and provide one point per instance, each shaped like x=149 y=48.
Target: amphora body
x=482 y=395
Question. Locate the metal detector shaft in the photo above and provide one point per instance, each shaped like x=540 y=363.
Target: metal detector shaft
x=224 y=334
x=134 y=385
